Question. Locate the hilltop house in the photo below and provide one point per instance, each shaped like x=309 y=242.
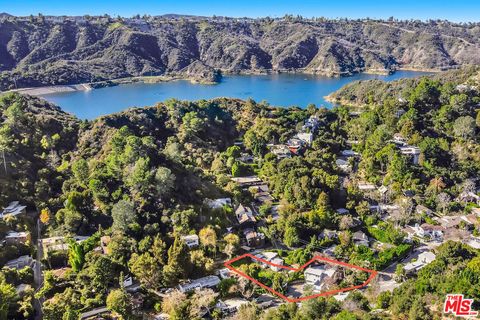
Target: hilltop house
x=254 y=238
x=13 y=209
x=468 y=197
x=245 y=182
x=360 y=239
x=205 y=282
x=311 y=124
x=59 y=243
x=281 y=151
x=245 y=216
x=426 y=230
x=20 y=262
x=320 y=277
x=306 y=137
x=411 y=151
x=17 y=237
x=192 y=241
x=423 y=259
x=271 y=257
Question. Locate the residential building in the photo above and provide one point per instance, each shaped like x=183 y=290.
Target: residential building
x=311 y=124
x=20 y=262
x=281 y=151
x=18 y=237
x=59 y=243
x=399 y=140
x=254 y=238
x=192 y=241
x=224 y=273
x=366 y=186
x=423 y=259
x=230 y=306
x=348 y=153
x=273 y=258
x=306 y=137
x=411 y=151
x=245 y=216
x=320 y=277
x=427 y=231
x=468 y=197
x=245 y=182
x=205 y=282
x=14 y=209
x=246 y=158
x=343 y=165
x=360 y=239
x=328 y=234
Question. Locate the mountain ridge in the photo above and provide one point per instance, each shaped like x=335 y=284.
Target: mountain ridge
x=48 y=50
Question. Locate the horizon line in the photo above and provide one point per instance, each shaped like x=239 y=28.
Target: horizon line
x=274 y=17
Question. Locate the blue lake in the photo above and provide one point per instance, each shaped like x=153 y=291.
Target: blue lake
x=278 y=89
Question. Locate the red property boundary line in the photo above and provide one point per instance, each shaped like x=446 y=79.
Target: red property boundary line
x=373 y=274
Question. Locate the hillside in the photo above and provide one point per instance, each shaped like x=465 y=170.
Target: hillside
x=36 y=51
x=366 y=92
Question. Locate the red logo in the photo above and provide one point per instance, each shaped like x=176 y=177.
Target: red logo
x=459 y=306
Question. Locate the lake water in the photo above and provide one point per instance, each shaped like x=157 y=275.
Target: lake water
x=278 y=89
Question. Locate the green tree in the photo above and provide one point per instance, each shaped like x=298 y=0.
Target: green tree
x=191 y=124
x=118 y=301
x=8 y=296
x=419 y=311
x=178 y=265
x=76 y=255
x=123 y=214
x=464 y=127
x=164 y=181
x=80 y=171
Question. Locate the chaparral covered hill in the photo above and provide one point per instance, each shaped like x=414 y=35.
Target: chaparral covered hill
x=36 y=51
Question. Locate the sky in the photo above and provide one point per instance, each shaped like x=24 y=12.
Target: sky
x=456 y=10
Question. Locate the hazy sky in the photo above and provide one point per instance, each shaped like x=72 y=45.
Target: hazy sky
x=456 y=10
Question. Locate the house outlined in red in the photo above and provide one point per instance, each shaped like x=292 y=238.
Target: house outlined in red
x=372 y=273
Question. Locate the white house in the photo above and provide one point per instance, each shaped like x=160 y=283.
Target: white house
x=14 y=209
x=423 y=259
x=17 y=237
x=224 y=273
x=413 y=152
x=191 y=240
x=366 y=186
x=319 y=277
x=230 y=306
x=273 y=258
x=343 y=165
x=20 y=262
x=306 y=137
x=205 y=282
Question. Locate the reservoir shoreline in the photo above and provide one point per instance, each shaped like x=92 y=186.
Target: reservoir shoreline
x=54 y=89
